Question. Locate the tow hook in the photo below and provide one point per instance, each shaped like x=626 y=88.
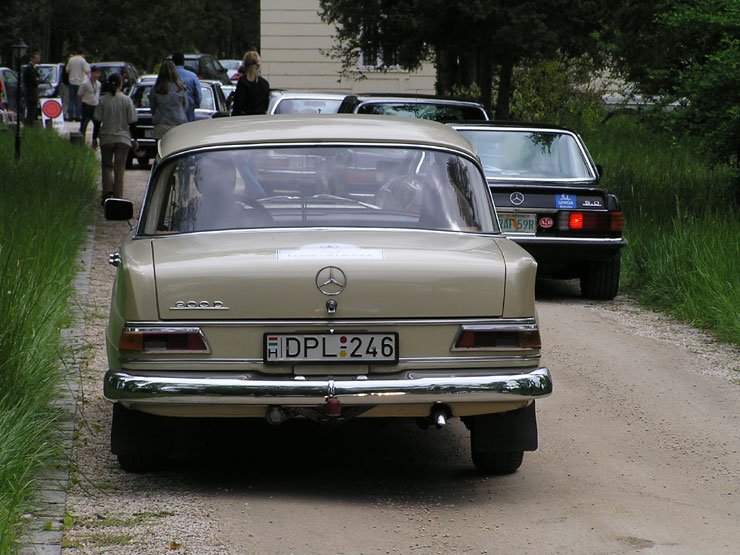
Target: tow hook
x=333 y=407
x=276 y=415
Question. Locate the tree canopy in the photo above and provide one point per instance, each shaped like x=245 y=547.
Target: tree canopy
x=137 y=31
x=468 y=39
x=686 y=51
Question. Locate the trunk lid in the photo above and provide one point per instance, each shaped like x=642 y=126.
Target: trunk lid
x=272 y=274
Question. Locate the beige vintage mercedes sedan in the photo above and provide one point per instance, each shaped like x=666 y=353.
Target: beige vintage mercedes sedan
x=321 y=268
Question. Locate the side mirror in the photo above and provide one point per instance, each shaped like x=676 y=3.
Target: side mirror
x=118 y=209
x=600 y=169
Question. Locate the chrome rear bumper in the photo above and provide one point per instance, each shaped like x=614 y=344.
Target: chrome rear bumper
x=245 y=389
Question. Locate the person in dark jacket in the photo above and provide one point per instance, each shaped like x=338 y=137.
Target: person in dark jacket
x=252 y=94
x=31 y=88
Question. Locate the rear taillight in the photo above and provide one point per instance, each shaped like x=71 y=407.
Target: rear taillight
x=484 y=338
x=163 y=340
x=591 y=221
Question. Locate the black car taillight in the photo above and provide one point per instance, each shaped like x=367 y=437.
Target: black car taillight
x=170 y=340
x=591 y=221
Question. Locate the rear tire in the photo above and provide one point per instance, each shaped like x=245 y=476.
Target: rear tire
x=140 y=441
x=600 y=280
x=506 y=462
x=143 y=161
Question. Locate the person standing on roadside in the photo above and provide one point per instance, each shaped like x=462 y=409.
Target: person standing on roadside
x=252 y=94
x=78 y=70
x=116 y=114
x=89 y=95
x=168 y=100
x=64 y=87
x=31 y=88
x=191 y=82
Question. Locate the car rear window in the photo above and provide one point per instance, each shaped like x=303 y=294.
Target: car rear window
x=529 y=155
x=423 y=110
x=307 y=106
x=323 y=186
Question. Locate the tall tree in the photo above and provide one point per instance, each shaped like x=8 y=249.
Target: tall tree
x=468 y=39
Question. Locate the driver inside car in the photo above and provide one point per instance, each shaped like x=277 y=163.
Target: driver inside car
x=217 y=206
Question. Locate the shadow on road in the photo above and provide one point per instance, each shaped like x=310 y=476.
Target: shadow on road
x=554 y=289
x=355 y=460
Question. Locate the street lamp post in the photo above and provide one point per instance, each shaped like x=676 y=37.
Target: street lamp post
x=19 y=48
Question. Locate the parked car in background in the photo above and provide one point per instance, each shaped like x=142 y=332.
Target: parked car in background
x=206 y=66
x=304 y=102
x=261 y=281
x=9 y=96
x=128 y=72
x=232 y=68
x=212 y=102
x=50 y=80
x=548 y=198
x=413 y=106
x=229 y=91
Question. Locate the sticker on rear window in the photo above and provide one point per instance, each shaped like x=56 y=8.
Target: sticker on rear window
x=565 y=201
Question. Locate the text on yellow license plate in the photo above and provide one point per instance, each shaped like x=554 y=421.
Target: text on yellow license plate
x=518 y=223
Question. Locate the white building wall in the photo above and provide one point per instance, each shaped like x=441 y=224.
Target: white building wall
x=294 y=49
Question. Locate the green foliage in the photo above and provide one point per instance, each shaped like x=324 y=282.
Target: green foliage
x=481 y=35
x=137 y=31
x=681 y=222
x=47 y=202
x=687 y=50
x=558 y=91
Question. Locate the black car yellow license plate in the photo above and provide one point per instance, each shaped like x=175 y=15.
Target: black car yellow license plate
x=518 y=223
x=374 y=348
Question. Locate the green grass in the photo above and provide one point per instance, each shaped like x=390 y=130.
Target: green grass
x=46 y=204
x=682 y=222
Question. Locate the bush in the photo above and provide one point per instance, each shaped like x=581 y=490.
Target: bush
x=558 y=92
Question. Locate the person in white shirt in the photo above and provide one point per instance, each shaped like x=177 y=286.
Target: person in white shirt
x=78 y=70
x=89 y=95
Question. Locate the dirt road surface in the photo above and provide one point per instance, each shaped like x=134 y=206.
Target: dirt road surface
x=639 y=453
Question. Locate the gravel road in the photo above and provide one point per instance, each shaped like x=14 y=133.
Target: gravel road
x=639 y=453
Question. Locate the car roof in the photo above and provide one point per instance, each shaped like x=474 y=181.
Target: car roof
x=333 y=95
x=510 y=125
x=311 y=129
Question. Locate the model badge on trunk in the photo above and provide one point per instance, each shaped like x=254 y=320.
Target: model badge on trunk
x=199 y=305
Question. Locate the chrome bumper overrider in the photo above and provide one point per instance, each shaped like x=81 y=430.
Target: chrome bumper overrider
x=243 y=389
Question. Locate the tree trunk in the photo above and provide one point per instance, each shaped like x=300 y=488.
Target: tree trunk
x=485 y=77
x=503 y=100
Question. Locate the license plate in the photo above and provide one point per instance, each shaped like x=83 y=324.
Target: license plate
x=149 y=133
x=518 y=223
x=331 y=347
